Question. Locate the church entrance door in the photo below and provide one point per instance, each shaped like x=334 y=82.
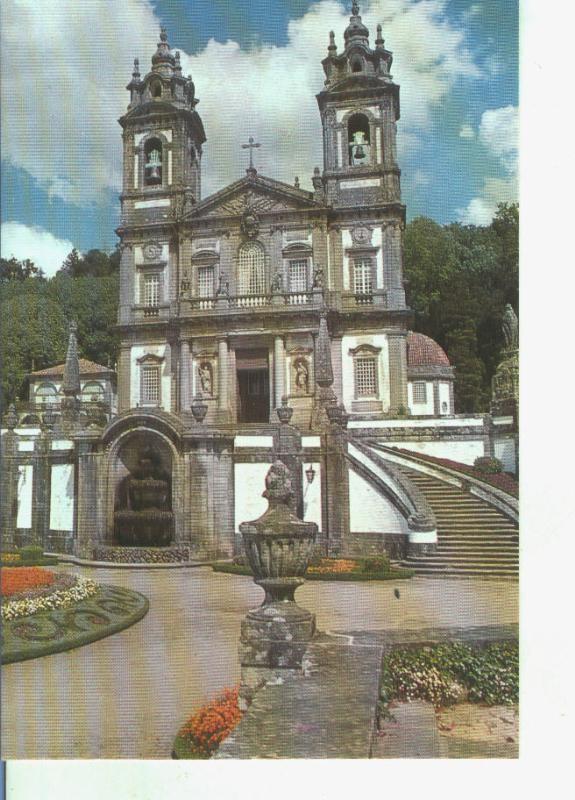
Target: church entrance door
x=253 y=386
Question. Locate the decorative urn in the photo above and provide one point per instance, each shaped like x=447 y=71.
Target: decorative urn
x=199 y=408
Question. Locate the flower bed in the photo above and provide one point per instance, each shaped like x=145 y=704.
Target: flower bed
x=502 y=480
x=203 y=733
x=450 y=673
x=62 y=591
x=141 y=555
x=15 y=580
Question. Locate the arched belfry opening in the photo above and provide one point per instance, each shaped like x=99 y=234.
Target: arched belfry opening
x=359 y=140
x=153 y=162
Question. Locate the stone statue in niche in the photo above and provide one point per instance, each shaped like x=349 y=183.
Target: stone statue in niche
x=184 y=285
x=510 y=328
x=317 y=280
x=206 y=379
x=277 y=283
x=301 y=370
x=223 y=286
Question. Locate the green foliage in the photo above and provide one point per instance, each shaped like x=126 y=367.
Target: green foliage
x=491 y=466
x=13 y=270
x=36 y=312
x=444 y=674
x=31 y=552
x=459 y=279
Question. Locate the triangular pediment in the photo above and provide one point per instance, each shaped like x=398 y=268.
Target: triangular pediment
x=259 y=194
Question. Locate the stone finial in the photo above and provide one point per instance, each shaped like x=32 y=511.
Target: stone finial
x=510 y=328
x=355 y=8
x=296 y=182
x=379 y=42
x=71 y=382
x=11 y=418
x=323 y=365
x=163 y=34
x=285 y=411
x=278 y=484
x=332 y=45
x=136 y=72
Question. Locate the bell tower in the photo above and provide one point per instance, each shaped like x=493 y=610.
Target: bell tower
x=359 y=109
x=163 y=137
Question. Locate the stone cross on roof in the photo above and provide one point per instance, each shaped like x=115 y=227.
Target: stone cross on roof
x=251 y=146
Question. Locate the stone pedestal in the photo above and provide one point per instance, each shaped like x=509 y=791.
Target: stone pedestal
x=278 y=546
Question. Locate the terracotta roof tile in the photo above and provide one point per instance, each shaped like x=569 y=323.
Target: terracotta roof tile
x=86 y=368
x=422 y=351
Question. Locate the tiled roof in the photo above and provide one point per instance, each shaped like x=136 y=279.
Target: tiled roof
x=86 y=368
x=424 y=352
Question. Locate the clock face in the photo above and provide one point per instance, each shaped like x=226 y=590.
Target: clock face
x=362 y=235
x=152 y=251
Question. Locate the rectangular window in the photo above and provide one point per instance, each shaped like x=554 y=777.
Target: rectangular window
x=150 y=386
x=151 y=290
x=420 y=393
x=206 y=282
x=362 y=275
x=365 y=377
x=298 y=275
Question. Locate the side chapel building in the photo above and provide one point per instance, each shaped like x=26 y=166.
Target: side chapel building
x=221 y=296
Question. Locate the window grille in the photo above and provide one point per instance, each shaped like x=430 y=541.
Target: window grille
x=150 y=386
x=365 y=377
x=206 y=282
x=252 y=269
x=152 y=290
x=420 y=392
x=362 y=275
x=298 y=275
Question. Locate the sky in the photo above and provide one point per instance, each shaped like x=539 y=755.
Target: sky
x=256 y=65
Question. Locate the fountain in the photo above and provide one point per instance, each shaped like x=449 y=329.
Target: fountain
x=144 y=517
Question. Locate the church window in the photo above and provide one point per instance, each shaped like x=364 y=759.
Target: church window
x=252 y=269
x=358 y=140
x=93 y=392
x=420 y=392
x=356 y=65
x=46 y=393
x=362 y=276
x=150 y=395
x=206 y=282
x=153 y=162
x=152 y=290
x=365 y=369
x=156 y=88
x=298 y=275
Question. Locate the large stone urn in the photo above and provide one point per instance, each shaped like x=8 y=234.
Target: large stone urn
x=278 y=547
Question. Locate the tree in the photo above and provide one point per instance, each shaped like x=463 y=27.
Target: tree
x=13 y=270
x=72 y=264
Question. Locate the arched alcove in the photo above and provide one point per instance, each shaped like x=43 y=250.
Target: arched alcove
x=359 y=140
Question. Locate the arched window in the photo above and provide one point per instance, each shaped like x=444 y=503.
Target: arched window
x=357 y=64
x=93 y=391
x=252 y=269
x=153 y=162
x=358 y=138
x=156 y=89
x=46 y=393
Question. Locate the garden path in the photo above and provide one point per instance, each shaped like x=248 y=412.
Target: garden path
x=125 y=696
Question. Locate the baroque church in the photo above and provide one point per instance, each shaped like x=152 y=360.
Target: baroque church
x=263 y=322
x=221 y=296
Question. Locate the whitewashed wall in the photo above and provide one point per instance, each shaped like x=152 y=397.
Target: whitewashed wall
x=445 y=397
x=504 y=450
x=370 y=512
x=249 y=482
x=421 y=408
x=464 y=452
x=25 y=478
x=62 y=497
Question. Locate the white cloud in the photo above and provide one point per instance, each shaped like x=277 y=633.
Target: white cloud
x=37 y=244
x=69 y=71
x=466 y=132
x=498 y=133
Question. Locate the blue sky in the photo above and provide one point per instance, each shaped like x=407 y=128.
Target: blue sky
x=257 y=67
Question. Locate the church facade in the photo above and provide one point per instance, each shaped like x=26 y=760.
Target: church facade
x=221 y=296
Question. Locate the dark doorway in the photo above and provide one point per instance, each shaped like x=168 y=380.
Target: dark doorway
x=253 y=386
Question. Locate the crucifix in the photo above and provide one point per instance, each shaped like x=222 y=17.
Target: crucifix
x=251 y=147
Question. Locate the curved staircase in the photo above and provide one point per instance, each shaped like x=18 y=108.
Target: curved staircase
x=474 y=538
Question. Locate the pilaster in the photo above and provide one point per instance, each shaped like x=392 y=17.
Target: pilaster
x=397 y=372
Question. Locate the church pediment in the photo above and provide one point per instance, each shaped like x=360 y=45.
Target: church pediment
x=258 y=195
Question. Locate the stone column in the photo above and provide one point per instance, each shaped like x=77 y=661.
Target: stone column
x=41 y=488
x=223 y=381
x=9 y=492
x=397 y=372
x=436 y=404
x=185 y=386
x=335 y=489
x=279 y=370
x=124 y=379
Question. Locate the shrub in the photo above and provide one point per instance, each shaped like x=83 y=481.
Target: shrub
x=375 y=564
x=490 y=466
x=31 y=552
x=444 y=674
x=209 y=726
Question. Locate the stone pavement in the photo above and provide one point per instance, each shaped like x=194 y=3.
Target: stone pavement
x=126 y=696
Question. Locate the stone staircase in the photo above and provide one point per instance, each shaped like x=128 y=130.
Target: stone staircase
x=474 y=538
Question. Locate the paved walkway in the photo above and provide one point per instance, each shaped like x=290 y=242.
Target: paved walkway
x=125 y=696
